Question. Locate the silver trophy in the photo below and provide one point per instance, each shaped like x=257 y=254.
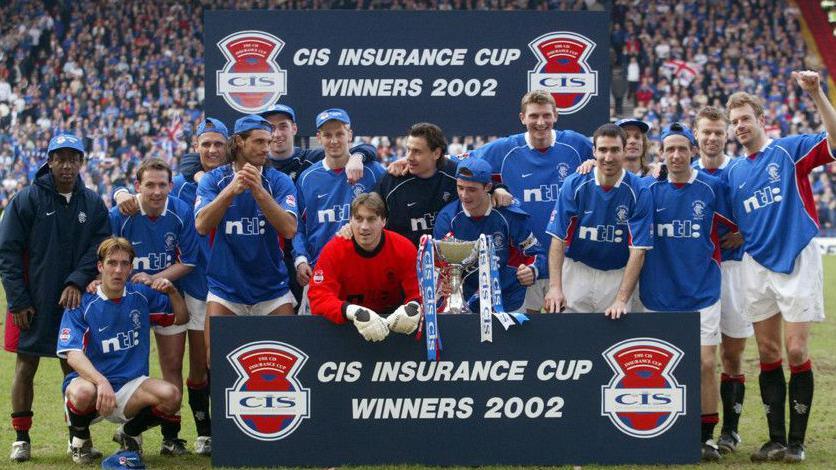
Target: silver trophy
x=459 y=255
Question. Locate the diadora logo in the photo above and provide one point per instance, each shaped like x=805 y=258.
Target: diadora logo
x=544 y=193
x=245 y=226
x=267 y=402
x=251 y=80
x=601 y=233
x=563 y=71
x=152 y=262
x=762 y=198
x=422 y=224
x=643 y=399
x=338 y=213
x=121 y=342
x=679 y=229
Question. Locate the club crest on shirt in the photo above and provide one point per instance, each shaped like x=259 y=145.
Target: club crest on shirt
x=643 y=399
x=621 y=213
x=774 y=172
x=135 y=315
x=699 y=209
x=170 y=241
x=65 y=335
x=358 y=189
x=267 y=402
x=499 y=240
x=82 y=217
x=318 y=276
x=562 y=171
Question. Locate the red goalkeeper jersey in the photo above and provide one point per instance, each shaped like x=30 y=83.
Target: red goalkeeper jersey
x=381 y=280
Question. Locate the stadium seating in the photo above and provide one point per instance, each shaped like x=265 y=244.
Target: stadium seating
x=129 y=75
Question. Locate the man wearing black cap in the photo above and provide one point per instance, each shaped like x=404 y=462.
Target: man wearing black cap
x=48 y=239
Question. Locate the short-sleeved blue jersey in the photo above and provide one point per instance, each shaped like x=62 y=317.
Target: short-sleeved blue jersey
x=772 y=201
x=682 y=272
x=193 y=283
x=245 y=259
x=599 y=224
x=726 y=255
x=160 y=241
x=114 y=334
x=534 y=176
x=325 y=204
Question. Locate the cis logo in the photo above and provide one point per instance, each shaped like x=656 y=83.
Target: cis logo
x=267 y=402
x=563 y=71
x=251 y=80
x=643 y=399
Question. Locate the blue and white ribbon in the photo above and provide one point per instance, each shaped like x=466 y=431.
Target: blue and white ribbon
x=485 y=297
x=496 y=292
x=426 y=274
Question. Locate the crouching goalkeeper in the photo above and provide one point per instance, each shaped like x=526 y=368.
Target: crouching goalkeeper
x=370 y=279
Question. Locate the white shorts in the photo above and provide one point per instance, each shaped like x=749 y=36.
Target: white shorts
x=535 y=295
x=798 y=296
x=197 y=313
x=709 y=324
x=259 y=309
x=170 y=330
x=123 y=396
x=590 y=290
x=732 y=321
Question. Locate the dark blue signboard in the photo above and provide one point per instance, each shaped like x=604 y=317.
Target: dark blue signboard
x=465 y=71
x=559 y=389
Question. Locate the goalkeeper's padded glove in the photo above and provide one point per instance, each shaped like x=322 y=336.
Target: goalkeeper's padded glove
x=368 y=323
x=405 y=319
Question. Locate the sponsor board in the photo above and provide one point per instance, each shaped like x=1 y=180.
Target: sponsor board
x=532 y=397
x=255 y=59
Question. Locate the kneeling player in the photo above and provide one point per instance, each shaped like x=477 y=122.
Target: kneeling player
x=371 y=275
x=474 y=214
x=107 y=343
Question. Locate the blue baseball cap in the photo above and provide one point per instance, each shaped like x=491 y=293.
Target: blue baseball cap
x=280 y=109
x=335 y=114
x=123 y=460
x=678 y=128
x=65 y=141
x=251 y=122
x=212 y=125
x=643 y=126
x=476 y=170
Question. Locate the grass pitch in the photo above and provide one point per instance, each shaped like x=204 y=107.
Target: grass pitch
x=49 y=433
